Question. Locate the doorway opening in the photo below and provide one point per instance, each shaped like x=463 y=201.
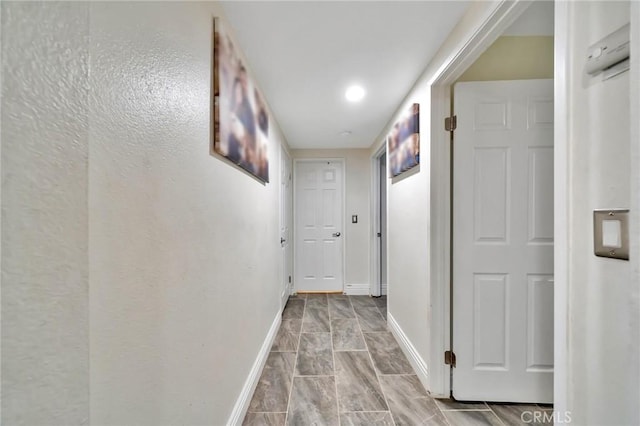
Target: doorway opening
x=442 y=273
x=379 y=283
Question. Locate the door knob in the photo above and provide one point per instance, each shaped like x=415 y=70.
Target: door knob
x=282 y=240
x=336 y=234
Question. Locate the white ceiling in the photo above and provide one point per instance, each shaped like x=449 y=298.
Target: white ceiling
x=304 y=55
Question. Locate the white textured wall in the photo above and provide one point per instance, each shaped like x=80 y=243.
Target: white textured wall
x=408 y=231
x=140 y=274
x=357 y=196
x=45 y=283
x=601 y=390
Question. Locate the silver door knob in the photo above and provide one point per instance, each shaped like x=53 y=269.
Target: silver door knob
x=336 y=234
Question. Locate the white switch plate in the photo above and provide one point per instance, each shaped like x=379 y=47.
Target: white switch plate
x=611 y=233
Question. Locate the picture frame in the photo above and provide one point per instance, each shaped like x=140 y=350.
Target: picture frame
x=240 y=116
x=403 y=142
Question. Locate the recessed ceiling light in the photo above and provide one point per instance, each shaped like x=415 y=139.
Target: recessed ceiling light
x=354 y=93
x=345 y=133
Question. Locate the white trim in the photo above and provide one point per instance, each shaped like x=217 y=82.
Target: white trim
x=561 y=207
x=635 y=193
x=283 y=198
x=375 y=222
x=357 y=289
x=499 y=16
x=440 y=383
x=244 y=399
x=418 y=364
x=497 y=20
x=342 y=161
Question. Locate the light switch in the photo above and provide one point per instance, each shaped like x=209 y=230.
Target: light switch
x=354 y=218
x=611 y=236
x=611 y=233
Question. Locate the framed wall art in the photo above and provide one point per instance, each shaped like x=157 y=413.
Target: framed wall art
x=403 y=142
x=240 y=117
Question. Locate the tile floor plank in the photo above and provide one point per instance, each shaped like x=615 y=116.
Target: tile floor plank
x=288 y=335
x=313 y=402
x=451 y=404
x=363 y=302
x=363 y=418
x=272 y=391
x=472 y=418
x=371 y=320
x=358 y=386
x=315 y=357
x=294 y=309
x=264 y=419
x=340 y=308
x=346 y=335
x=387 y=356
x=521 y=414
x=409 y=402
x=317 y=300
x=316 y=320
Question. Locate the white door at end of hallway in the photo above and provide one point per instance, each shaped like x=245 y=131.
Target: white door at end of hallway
x=286 y=212
x=503 y=241
x=319 y=240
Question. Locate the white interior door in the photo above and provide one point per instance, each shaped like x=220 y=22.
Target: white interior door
x=503 y=241
x=318 y=225
x=286 y=210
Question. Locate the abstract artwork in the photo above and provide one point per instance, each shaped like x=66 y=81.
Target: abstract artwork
x=403 y=142
x=240 y=118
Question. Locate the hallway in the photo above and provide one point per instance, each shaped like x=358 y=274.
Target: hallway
x=348 y=369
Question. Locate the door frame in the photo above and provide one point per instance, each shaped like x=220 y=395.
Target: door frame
x=503 y=14
x=283 y=205
x=297 y=161
x=376 y=178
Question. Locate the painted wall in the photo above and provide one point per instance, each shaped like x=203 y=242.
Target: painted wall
x=45 y=265
x=357 y=196
x=514 y=58
x=601 y=291
x=138 y=287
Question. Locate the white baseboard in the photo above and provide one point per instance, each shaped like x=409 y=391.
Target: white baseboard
x=242 y=403
x=384 y=289
x=357 y=289
x=418 y=364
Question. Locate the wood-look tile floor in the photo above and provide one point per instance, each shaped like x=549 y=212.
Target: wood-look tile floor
x=334 y=362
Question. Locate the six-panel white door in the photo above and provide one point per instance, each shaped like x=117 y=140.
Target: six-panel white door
x=503 y=241
x=318 y=225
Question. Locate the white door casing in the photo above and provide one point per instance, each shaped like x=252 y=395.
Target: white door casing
x=319 y=232
x=503 y=241
x=286 y=212
x=382 y=166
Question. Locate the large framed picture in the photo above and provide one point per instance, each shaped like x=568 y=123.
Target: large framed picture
x=240 y=118
x=403 y=142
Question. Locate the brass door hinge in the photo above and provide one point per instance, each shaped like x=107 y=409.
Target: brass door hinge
x=450 y=123
x=450 y=358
